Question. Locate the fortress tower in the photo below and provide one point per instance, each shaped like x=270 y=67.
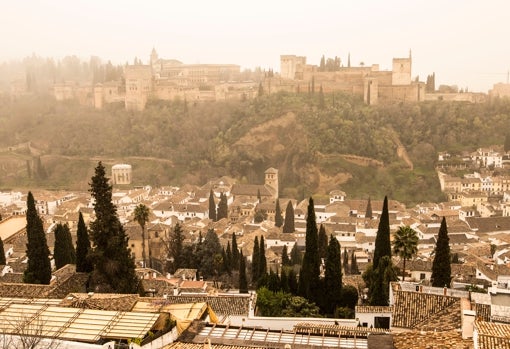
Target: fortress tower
x=401 y=72
x=271 y=180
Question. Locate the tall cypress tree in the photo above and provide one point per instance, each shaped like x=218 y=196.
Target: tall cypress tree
x=2 y=253
x=212 y=207
x=39 y=267
x=228 y=253
x=243 y=282
x=114 y=267
x=441 y=267
x=295 y=255
x=255 y=259
x=278 y=219
x=310 y=268
x=368 y=212
x=354 y=264
x=176 y=247
x=323 y=242
x=235 y=253
x=383 y=275
x=382 y=240
x=285 y=257
x=83 y=263
x=222 y=207
x=288 y=226
x=262 y=258
x=345 y=263
x=333 y=276
x=63 y=251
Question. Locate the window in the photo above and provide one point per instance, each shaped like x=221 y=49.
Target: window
x=422 y=276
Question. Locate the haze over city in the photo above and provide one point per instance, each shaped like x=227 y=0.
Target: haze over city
x=461 y=41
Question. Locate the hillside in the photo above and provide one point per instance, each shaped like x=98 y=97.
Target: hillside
x=318 y=143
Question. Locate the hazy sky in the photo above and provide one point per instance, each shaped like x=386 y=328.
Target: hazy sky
x=464 y=42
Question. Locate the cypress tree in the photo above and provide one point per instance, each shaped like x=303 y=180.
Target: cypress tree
x=63 y=251
x=262 y=258
x=382 y=240
x=228 y=252
x=354 y=264
x=278 y=219
x=323 y=243
x=83 y=263
x=383 y=275
x=114 y=267
x=368 y=212
x=288 y=226
x=225 y=261
x=243 y=282
x=310 y=268
x=346 y=262
x=212 y=207
x=255 y=259
x=441 y=267
x=39 y=267
x=222 y=207
x=2 y=253
x=284 y=281
x=176 y=247
x=259 y=198
x=293 y=285
x=285 y=257
x=235 y=253
x=295 y=255
x=333 y=276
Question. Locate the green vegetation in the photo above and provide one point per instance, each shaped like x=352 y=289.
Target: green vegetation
x=63 y=251
x=441 y=267
x=303 y=135
x=83 y=263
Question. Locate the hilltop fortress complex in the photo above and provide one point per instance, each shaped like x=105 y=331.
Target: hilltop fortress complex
x=170 y=79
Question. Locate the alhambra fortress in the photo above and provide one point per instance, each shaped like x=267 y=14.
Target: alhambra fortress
x=170 y=79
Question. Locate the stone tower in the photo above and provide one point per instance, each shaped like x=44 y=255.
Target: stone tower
x=271 y=180
x=401 y=72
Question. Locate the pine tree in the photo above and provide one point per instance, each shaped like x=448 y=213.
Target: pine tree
x=333 y=276
x=382 y=240
x=114 y=267
x=243 y=282
x=288 y=226
x=323 y=242
x=212 y=207
x=2 y=253
x=278 y=219
x=441 y=267
x=262 y=258
x=63 y=251
x=310 y=268
x=255 y=259
x=235 y=253
x=83 y=263
x=368 y=213
x=39 y=267
x=285 y=257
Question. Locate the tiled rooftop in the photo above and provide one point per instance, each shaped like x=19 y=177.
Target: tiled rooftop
x=221 y=305
x=431 y=340
x=492 y=335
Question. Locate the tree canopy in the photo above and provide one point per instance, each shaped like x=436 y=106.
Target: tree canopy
x=441 y=267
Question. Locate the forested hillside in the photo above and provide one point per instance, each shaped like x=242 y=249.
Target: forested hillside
x=318 y=142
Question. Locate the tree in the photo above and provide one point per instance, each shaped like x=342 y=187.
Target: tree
x=176 y=247
x=285 y=257
x=323 y=242
x=310 y=268
x=354 y=264
x=333 y=276
x=295 y=255
x=63 y=251
x=141 y=217
x=278 y=219
x=83 y=263
x=2 y=253
x=114 y=267
x=243 y=282
x=259 y=198
x=345 y=263
x=222 y=207
x=441 y=267
x=262 y=258
x=39 y=267
x=288 y=226
x=507 y=142
x=405 y=245
x=368 y=212
x=235 y=253
x=211 y=255
x=212 y=207
x=383 y=275
x=261 y=90
x=255 y=261
x=382 y=240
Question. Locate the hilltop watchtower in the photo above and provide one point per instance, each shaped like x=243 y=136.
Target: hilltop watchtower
x=401 y=72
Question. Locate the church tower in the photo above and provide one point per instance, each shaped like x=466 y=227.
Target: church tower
x=271 y=181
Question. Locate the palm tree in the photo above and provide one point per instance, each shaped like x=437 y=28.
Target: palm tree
x=405 y=244
x=142 y=216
